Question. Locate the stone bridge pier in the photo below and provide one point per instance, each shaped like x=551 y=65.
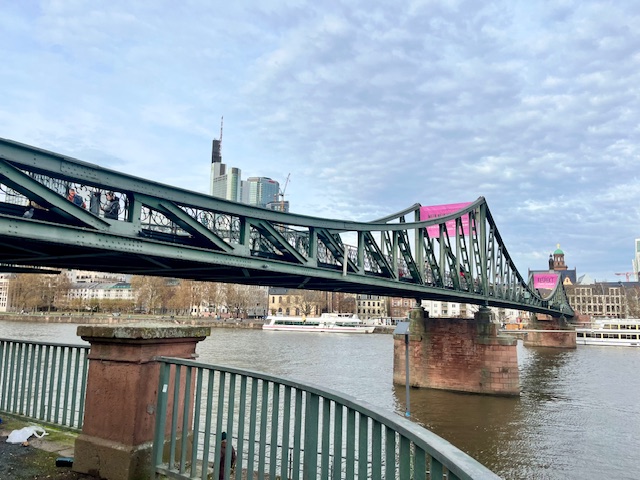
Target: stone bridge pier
x=457 y=354
x=551 y=332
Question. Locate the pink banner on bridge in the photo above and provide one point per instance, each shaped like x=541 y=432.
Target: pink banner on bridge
x=546 y=281
x=435 y=211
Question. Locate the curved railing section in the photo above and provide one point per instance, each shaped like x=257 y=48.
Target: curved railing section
x=167 y=231
x=286 y=429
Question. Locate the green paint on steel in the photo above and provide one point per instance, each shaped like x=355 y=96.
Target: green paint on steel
x=167 y=231
x=371 y=443
x=46 y=382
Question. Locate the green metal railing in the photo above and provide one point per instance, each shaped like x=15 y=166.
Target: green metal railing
x=283 y=429
x=44 y=381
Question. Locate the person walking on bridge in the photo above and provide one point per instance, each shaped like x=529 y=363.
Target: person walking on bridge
x=75 y=198
x=112 y=207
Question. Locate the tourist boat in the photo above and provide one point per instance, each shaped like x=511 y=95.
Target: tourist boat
x=327 y=322
x=623 y=332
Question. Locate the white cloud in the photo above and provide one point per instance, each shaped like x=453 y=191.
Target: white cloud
x=371 y=107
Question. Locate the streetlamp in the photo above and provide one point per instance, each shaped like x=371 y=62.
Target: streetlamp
x=403 y=329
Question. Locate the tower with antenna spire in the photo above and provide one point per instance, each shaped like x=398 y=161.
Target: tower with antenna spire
x=216 y=147
x=225 y=182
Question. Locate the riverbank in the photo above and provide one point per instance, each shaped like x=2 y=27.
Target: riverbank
x=37 y=458
x=99 y=319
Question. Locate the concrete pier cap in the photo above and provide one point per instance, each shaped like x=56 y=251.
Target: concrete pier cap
x=122 y=389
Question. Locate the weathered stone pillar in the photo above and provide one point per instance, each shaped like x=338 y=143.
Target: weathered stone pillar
x=122 y=390
x=550 y=332
x=457 y=354
x=550 y=338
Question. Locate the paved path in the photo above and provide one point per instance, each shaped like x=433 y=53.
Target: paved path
x=37 y=459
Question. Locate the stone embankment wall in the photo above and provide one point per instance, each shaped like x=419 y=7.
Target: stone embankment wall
x=122 y=319
x=55 y=318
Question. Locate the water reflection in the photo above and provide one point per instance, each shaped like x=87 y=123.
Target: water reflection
x=577 y=418
x=356 y=364
x=477 y=424
x=542 y=371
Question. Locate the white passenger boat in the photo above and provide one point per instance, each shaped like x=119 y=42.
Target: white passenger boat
x=327 y=322
x=622 y=332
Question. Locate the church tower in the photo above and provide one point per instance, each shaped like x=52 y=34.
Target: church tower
x=558 y=259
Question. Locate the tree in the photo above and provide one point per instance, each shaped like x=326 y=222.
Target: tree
x=185 y=295
x=38 y=291
x=62 y=286
x=307 y=302
x=151 y=293
x=344 y=302
x=93 y=305
x=632 y=298
x=237 y=299
x=23 y=292
x=76 y=304
x=198 y=295
x=47 y=288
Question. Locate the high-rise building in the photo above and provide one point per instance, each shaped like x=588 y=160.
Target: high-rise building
x=262 y=191
x=225 y=182
x=635 y=263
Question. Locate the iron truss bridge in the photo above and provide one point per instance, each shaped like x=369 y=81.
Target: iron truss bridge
x=172 y=232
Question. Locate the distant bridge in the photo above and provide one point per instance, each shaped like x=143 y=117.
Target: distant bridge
x=172 y=232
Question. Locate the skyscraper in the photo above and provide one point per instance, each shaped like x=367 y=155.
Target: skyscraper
x=262 y=191
x=225 y=182
x=635 y=262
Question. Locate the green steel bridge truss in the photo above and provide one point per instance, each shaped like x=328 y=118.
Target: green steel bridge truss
x=172 y=232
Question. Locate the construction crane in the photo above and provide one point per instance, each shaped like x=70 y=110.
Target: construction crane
x=628 y=275
x=282 y=192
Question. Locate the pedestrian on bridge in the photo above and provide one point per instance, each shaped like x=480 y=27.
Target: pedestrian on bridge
x=112 y=207
x=75 y=198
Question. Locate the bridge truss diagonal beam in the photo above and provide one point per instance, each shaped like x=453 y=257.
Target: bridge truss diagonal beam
x=168 y=231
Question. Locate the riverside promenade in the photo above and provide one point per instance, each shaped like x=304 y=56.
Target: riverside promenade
x=37 y=459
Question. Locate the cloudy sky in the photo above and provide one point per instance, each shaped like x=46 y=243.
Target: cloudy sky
x=370 y=106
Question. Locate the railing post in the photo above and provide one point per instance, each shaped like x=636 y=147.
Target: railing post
x=122 y=391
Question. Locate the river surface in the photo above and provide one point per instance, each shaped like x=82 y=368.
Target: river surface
x=578 y=416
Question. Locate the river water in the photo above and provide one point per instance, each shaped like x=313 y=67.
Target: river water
x=578 y=416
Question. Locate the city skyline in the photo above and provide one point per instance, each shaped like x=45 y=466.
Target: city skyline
x=226 y=182
x=371 y=107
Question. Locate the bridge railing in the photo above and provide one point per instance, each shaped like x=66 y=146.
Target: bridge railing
x=44 y=381
x=286 y=429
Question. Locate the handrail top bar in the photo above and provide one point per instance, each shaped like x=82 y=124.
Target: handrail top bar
x=46 y=344
x=439 y=448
